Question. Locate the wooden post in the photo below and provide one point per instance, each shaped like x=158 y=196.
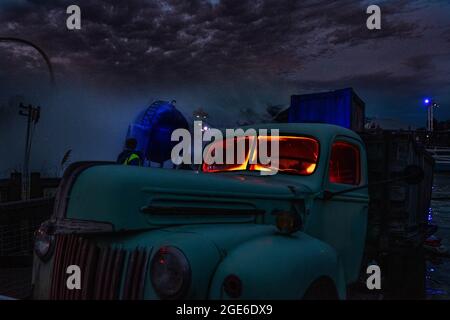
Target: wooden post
x=14 y=187
x=35 y=186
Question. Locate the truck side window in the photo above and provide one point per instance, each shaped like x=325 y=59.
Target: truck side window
x=345 y=166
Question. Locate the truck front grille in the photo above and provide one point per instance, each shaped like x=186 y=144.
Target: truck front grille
x=107 y=273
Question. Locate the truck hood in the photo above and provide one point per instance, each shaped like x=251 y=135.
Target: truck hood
x=132 y=198
x=226 y=237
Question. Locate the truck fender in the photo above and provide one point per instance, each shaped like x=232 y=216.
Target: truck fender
x=279 y=267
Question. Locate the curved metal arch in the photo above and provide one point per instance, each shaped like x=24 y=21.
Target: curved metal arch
x=38 y=49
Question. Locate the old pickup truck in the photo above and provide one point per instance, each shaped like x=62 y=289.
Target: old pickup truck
x=222 y=232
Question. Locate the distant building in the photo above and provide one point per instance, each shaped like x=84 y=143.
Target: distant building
x=387 y=124
x=201 y=115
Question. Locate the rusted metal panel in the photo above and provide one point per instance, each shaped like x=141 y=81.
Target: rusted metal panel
x=88 y=284
x=116 y=275
x=100 y=273
x=131 y=269
x=135 y=274
x=103 y=269
x=57 y=267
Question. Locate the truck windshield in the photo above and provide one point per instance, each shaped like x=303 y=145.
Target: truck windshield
x=297 y=155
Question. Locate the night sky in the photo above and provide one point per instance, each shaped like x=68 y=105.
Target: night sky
x=233 y=58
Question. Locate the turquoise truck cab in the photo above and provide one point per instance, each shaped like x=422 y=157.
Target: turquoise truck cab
x=146 y=233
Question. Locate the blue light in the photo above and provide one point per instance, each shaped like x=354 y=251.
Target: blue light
x=427 y=101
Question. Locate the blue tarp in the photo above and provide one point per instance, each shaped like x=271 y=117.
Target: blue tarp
x=153 y=129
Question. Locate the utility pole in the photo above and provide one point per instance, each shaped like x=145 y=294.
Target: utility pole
x=430 y=119
x=33 y=114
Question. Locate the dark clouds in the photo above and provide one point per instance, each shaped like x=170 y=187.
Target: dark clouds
x=224 y=56
x=173 y=43
x=420 y=63
x=144 y=40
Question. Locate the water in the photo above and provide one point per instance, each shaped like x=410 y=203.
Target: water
x=438 y=268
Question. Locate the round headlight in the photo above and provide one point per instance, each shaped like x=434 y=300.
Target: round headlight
x=170 y=273
x=44 y=243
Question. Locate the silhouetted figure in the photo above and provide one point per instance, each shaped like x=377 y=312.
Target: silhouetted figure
x=130 y=156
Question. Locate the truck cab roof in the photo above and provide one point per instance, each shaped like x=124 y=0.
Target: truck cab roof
x=321 y=131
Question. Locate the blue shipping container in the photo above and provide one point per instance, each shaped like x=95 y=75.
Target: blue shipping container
x=340 y=107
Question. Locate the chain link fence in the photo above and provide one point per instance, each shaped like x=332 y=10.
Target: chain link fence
x=18 y=223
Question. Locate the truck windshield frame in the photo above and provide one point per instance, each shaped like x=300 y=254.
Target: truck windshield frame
x=304 y=163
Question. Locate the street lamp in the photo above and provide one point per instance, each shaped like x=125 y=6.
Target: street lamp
x=38 y=49
x=431 y=105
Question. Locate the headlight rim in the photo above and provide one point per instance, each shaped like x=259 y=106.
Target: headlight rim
x=187 y=273
x=44 y=232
